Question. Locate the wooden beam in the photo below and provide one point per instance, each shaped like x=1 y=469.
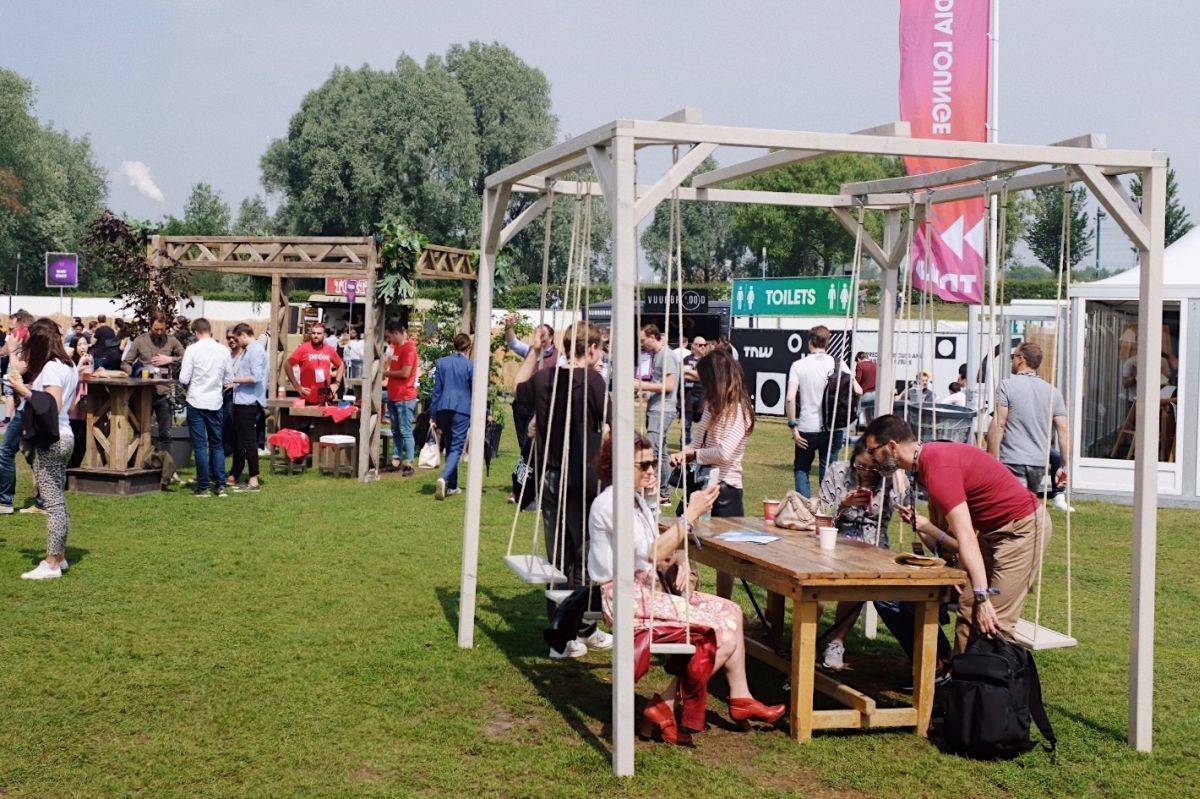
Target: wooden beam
x=555 y=155
x=744 y=196
x=523 y=219
x=606 y=178
x=1117 y=206
x=782 y=158
x=851 y=224
x=686 y=114
x=958 y=174
x=679 y=171
x=668 y=132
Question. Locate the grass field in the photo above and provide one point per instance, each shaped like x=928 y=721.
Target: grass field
x=300 y=642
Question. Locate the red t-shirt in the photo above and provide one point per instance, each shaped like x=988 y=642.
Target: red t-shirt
x=864 y=373
x=401 y=389
x=957 y=473
x=316 y=364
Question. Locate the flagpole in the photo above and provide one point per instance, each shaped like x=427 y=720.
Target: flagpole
x=989 y=358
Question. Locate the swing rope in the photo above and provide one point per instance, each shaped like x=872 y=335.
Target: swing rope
x=851 y=308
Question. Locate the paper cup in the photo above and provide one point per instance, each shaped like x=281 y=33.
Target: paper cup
x=828 y=537
x=769 y=508
x=823 y=520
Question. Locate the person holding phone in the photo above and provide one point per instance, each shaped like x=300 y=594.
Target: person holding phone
x=863 y=503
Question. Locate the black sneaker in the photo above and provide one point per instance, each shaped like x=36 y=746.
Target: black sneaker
x=221 y=492
x=246 y=488
x=199 y=492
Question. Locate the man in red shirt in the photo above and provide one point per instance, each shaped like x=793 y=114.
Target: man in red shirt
x=401 y=374
x=997 y=523
x=319 y=368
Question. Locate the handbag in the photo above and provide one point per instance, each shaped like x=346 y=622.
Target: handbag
x=431 y=453
x=795 y=514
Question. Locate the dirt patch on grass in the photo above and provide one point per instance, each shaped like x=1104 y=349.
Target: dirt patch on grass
x=499 y=726
x=365 y=775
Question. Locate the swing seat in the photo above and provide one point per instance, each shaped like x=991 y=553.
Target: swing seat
x=672 y=649
x=534 y=569
x=1034 y=637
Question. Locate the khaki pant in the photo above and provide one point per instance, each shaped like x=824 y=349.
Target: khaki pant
x=1010 y=558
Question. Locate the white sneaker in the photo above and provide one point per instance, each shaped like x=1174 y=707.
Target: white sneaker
x=597 y=640
x=452 y=491
x=6 y=510
x=441 y=489
x=63 y=565
x=835 y=652
x=1060 y=502
x=264 y=452
x=575 y=649
x=45 y=571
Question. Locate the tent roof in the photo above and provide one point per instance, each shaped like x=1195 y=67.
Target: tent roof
x=1180 y=262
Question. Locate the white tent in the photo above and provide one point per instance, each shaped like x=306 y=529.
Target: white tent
x=1104 y=337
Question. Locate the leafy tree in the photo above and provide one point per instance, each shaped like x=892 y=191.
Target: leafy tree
x=709 y=243
x=253 y=218
x=204 y=214
x=372 y=144
x=1044 y=232
x=50 y=185
x=808 y=241
x=1178 y=220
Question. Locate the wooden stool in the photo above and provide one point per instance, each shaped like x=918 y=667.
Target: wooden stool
x=286 y=464
x=335 y=453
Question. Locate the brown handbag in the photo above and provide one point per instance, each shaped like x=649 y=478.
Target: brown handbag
x=795 y=514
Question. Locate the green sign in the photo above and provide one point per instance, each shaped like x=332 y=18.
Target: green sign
x=791 y=296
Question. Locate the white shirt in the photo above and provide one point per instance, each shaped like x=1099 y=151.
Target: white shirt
x=809 y=375
x=353 y=351
x=600 y=528
x=206 y=369
x=57 y=373
x=958 y=398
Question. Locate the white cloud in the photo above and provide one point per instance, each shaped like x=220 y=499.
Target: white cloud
x=138 y=175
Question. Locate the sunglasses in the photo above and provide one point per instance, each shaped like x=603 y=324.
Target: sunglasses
x=643 y=466
x=872 y=450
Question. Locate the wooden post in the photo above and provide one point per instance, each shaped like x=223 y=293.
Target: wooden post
x=624 y=273
x=370 y=410
x=273 y=333
x=467 y=323
x=494 y=201
x=1145 y=473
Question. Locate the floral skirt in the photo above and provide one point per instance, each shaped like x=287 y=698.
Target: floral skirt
x=723 y=616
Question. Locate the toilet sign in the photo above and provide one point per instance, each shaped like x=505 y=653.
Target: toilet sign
x=791 y=296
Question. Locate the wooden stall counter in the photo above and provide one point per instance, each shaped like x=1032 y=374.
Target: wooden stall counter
x=119 y=437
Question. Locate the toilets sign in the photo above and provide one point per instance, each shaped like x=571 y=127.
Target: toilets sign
x=791 y=296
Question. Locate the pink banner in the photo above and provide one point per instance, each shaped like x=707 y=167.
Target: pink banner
x=944 y=95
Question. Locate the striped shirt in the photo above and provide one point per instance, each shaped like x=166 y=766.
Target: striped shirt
x=722 y=443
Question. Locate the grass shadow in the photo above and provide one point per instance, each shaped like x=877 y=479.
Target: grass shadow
x=571 y=686
x=1109 y=732
x=74 y=555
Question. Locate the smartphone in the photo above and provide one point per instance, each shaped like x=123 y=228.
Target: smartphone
x=714 y=477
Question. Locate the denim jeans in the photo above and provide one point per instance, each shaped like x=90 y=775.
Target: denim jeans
x=656 y=422
x=205 y=430
x=453 y=427
x=8 y=459
x=818 y=445
x=401 y=414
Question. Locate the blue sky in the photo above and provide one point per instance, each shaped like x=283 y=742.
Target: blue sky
x=198 y=89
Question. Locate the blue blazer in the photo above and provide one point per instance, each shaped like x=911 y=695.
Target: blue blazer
x=452 y=385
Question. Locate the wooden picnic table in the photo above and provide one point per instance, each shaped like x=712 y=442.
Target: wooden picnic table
x=795 y=567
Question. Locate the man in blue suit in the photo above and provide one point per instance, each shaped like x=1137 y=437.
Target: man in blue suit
x=450 y=410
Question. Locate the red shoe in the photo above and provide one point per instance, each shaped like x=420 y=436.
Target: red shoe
x=745 y=709
x=658 y=722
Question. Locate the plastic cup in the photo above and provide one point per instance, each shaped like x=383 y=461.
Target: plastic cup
x=823 y=520
x=769 y=508
x=828 y=536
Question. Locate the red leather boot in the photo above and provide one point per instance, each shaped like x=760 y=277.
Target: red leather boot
x=658 y=722
x=745 y=709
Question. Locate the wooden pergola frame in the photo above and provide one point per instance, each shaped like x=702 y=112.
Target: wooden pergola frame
x=287 y=258
x=987 y=168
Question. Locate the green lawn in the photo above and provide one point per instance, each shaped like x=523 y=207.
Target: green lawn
x=300 y=642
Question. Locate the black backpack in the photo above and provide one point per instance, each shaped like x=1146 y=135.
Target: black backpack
x=839 y=404
x=994 y=692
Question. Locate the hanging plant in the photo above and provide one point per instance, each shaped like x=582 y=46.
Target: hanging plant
x=144 y=288
x=399 y=248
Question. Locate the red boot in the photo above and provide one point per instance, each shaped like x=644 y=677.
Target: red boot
x=745 y=709
x=658 y=722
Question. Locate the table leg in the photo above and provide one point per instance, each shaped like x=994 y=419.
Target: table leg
x=775 y=615
x=924 y=662
x=724 y=585
x=804 y=662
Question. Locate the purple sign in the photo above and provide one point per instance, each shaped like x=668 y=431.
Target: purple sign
x=62 y=270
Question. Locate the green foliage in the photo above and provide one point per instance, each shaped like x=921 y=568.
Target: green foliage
x=399 y=248
x=808 y=241
x=51 y=188
x=253 y=218
x=436 y=341
x=1178 y=220
x=205 y=213
x=711 y=250
x=1044 y=233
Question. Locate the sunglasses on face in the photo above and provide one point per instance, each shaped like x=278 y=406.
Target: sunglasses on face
x=643 y=466
x=872 y=450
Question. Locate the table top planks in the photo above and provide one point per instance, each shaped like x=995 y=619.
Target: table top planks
x=129 y=381
x=798 y=557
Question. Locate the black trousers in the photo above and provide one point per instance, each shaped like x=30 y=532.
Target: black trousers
x=245 y=439
x=729 y=502
x=163 y=416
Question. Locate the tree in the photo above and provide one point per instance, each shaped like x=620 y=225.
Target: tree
x=50 y=185
x=1178 y=220
x=808 y=241
x=1044 y=231
x=253 y=218
x=369 y=145
x=709 y=243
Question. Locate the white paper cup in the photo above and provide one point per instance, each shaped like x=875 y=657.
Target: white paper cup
x=828 y=536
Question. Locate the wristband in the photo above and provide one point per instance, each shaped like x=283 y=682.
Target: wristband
x=792 y=423
x=941 y=537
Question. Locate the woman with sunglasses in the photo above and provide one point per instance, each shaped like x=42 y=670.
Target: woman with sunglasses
x=45 y=366
x=863 y=503
x=655 y=553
